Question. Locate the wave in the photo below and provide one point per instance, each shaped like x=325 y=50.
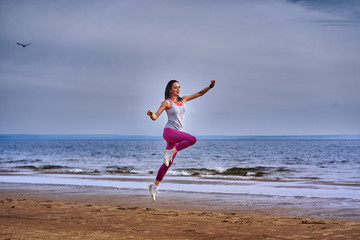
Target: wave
x=23 y=161
x=58 y=169
x=43 y=167
x=120 y=170
x=83 y=171
x=258 y=171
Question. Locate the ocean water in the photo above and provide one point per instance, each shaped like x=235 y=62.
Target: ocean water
x=329 y=161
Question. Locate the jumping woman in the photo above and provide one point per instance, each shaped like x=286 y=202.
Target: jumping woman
x=176 y=139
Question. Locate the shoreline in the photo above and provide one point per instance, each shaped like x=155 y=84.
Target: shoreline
x=288 y=199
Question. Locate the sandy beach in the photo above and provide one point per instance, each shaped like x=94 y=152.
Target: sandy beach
x=30 y=219
x=40 y=211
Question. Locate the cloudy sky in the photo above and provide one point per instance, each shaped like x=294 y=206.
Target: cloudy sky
x=95 y=67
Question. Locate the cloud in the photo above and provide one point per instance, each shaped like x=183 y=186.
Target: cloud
x=97 y=67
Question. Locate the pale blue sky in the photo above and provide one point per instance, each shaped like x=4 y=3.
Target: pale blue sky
x=96 y=67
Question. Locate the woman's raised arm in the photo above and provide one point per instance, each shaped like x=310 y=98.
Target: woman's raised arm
x=200 y=93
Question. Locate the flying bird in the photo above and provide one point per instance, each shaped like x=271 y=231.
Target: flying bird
x=23 y=45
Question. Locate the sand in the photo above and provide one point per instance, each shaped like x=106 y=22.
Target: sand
x=31 y=219
x=70 y=212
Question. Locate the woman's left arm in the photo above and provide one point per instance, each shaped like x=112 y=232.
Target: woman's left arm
x=200 y=93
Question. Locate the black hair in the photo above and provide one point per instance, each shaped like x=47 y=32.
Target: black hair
x=168 y=88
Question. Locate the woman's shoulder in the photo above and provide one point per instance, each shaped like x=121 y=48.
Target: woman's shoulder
x=166 y=103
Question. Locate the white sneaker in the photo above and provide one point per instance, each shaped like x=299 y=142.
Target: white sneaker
x=153 y=192
x=168 y=157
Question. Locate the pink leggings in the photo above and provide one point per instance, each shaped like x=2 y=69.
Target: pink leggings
x=179 y=140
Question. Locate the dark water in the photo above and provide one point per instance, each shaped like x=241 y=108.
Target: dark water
x=333 y=161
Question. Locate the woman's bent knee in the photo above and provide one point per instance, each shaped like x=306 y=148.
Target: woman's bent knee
x=193 y=140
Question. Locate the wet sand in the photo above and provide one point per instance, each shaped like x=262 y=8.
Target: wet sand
x=35 y=211
x=274 y=198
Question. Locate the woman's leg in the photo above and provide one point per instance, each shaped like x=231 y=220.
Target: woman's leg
x=175 y=140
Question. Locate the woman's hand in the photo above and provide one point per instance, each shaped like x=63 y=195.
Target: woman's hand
x=212 y=84
x=150 y=112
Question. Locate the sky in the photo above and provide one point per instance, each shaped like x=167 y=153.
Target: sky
x=95 y=67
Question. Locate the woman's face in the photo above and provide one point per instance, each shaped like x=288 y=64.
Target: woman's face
x=175 y=89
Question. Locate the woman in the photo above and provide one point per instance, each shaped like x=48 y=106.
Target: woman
x=176 y=139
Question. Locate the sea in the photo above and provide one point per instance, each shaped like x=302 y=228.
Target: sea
x=321 y=159
x=305 y=176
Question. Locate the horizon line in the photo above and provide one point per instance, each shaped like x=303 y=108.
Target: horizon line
x=151 y=137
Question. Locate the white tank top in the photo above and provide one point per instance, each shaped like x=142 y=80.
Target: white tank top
x=175 y=115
